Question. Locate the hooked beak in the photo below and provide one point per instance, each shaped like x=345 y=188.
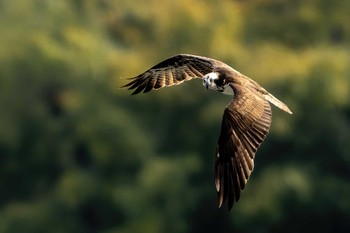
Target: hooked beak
x=205 y=83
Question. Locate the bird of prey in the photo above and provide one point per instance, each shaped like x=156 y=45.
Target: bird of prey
x=245 y=123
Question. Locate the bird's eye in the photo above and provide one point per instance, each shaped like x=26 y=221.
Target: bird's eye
x=219 y=82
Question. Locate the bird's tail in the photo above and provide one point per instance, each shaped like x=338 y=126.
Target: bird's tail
x=277 y=103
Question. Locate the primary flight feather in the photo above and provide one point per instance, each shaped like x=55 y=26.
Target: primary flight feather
x=245 y=123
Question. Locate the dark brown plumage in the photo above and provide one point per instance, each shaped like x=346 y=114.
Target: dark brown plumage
x=172 y=71
x=245 y=123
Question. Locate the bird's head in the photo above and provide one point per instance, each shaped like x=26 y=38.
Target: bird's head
x=217 y=83
x=212 y=81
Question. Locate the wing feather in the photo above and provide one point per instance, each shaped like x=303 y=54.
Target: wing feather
x=151 y=83
x=159 y=81
x=169 y=78
x=245 y=124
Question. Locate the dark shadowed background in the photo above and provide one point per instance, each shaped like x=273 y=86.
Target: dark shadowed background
x=78 y=154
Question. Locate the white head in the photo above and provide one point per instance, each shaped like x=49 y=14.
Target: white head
x=208 y=81
x=211 y=80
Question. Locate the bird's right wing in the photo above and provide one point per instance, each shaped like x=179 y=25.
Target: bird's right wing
x=245 y=124
x=172 y=71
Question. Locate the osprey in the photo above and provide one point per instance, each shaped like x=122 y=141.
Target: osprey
x=245 y=123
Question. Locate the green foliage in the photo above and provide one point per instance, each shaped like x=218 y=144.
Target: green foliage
x=78 y=154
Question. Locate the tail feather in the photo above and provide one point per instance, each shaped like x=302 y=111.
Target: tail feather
x=277 y=103
x=269 y=97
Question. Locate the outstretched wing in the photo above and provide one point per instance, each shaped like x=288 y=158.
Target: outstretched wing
x=245 y=124
x=172 y=71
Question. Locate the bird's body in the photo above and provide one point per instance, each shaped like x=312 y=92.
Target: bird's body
x=245 y=123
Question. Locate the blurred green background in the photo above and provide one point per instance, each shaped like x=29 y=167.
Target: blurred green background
x=78 y=154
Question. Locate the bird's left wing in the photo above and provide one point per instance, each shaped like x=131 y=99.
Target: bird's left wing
x=172 y=71
x=245 y=124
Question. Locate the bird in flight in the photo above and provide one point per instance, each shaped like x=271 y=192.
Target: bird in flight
x=245 y=123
